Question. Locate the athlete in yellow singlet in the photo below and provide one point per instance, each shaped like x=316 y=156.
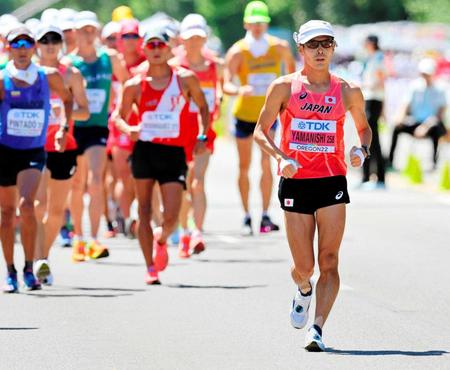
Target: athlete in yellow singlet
x=256 y=60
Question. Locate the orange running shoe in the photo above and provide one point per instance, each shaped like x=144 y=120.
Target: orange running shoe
x=78 y=251
x=197 y=242
x=183 y=246
x=152 y=278
x=95 y=250
x=160 y=255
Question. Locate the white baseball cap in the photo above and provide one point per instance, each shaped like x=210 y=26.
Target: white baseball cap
x=7 y=22
x=110 y=29
x=67 y=19
x=312 y=29
x=193 y=25
x=427 y=66
x=47 y=28
x=50 y=15
x=86 y=18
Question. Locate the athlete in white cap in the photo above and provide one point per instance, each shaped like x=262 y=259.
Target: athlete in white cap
x=313 y=190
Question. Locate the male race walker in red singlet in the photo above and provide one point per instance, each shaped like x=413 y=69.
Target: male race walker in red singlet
x=313 y=187
x=163 y=96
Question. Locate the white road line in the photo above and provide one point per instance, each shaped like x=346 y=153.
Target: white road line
x=227 y=239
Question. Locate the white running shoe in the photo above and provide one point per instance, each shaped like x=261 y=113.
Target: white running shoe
x=313 y=341
x=43 y=273
x=299 y=310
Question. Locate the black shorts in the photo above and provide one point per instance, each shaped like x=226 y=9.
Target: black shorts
x=162 y=163
x=87 y=137
x=13 y=161
x=244 y=129
x=62 y=166
x=308 y=195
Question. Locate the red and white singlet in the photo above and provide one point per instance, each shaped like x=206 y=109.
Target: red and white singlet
x=163 y=114
x=312 y=130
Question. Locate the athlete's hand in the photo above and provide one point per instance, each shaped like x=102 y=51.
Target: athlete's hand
x=200 y=147
x=60 y=140
x=288 y=167
x=246 y=90
x=134 y=132
x=356 y=157
x=421 y=131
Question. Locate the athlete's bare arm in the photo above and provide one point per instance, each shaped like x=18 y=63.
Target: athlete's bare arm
x=191 y=85
x=220 y=67
x=233 y=61
x=354 y=103
x=285 y=53
x=130 y=95
x=277 y=98
x=118 y=66
x=76 y=84
x=57 y=86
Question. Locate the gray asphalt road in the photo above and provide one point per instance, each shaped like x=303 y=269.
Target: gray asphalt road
x=229 y=307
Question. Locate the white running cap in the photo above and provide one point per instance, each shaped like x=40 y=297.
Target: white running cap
x=47 y=28
x=312 y=29
x=193 y=25
x=110 y=29
x=67 y=19
x=86 y=18
x=50 y=15
x=427 y=66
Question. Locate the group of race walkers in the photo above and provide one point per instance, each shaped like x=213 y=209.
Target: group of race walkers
x=132 y=118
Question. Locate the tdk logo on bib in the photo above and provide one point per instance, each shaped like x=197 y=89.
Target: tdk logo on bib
x=313 y=125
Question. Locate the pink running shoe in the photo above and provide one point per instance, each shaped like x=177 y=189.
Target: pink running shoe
x=160 y=255
x=197 y=242
x=183 y=246
x=152 y=278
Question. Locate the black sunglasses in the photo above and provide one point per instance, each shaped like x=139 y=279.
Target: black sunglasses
x=129 y=36
x=51 y=38
x=314 y=44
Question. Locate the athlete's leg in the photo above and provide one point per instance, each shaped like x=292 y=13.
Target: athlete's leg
x=156 y=205
x=27 y=185
x=8 y=203
x=96 y=162
x=300 y=230
x=244 y=146
x=122 y=169
x=330 y=226
x=41 y=210
x=144 y=190
x=78 y=190
x=58 y=192
x=199 y=201
x=266 y=182
x=171 y=194
x=186 y=202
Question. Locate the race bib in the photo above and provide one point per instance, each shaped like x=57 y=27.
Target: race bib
x=96 y=99
x=163 y=125
x=260 y=82
x=314 y=136
x=25 y=122
x=57 y=113
x=210 y=96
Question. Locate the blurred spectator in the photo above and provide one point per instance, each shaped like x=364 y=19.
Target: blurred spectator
x=373 y=90
x=424 y=110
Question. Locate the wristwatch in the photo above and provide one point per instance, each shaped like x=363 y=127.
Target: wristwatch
x=202 y=138
x=367 y=150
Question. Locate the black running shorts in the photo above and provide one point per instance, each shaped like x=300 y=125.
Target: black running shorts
x=62 y=166
x=13 y=161
x=308 y=195
x=163 y=163
x=87 y=137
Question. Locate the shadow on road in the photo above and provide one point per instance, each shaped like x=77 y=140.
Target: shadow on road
x=273 y=260
x=188 y=286
x=385 y=353
x=40 y=295
x=23 y=328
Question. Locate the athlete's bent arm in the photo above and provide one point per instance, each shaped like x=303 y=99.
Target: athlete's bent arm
x=195 y=92
x=129 y=98
x=79 y=96
x=276 y=100
x=118 y=67
x=286 y=55
x=354 y=102
x=233 y=61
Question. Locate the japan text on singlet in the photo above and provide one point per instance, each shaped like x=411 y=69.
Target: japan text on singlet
x=25 y=113
x=312 y=130
x=163 y=114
